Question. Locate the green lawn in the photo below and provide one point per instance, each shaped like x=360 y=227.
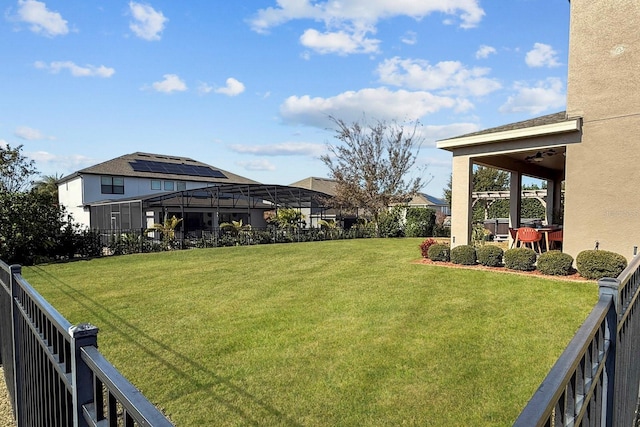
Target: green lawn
x=339 y=333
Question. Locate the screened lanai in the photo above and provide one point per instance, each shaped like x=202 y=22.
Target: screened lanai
x=203 y=209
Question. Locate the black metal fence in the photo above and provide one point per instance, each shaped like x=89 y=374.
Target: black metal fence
x=54 y=373
x=596 y=380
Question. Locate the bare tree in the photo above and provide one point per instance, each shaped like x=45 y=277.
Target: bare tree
x=371 y=165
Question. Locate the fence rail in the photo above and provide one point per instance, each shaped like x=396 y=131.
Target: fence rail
x=596 y=380
x=54 y=373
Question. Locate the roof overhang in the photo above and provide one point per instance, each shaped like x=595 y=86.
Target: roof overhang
x=567 y=126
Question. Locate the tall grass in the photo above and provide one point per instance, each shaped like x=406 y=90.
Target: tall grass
x=348 y=333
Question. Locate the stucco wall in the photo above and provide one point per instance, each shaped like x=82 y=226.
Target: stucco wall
x=602 y=201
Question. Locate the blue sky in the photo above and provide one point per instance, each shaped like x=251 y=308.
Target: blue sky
x=248 y=86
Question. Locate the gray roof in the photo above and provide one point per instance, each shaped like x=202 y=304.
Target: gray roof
x=426 y=199
x=323 y=185
x=549 y=119
x=121 y=166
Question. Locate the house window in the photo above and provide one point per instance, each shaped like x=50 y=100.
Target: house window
x=181 y=185
x=111 y=185
x=156 y=184
x=168 y=185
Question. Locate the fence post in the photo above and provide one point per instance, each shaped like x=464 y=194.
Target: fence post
x=17 y=356
x=610 y=286
x=82 y=335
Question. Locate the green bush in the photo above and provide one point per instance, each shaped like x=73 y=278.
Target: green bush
x=439 y=252
x=523 y=259
x=490 y=255
x=596 y=264
x=390 y=224
x=555 y=263
x=425 y=245
x=464 y=254
x=420 y=222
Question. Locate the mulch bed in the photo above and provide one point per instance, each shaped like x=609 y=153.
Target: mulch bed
x=574 y=277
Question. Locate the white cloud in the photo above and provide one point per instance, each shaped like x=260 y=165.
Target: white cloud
x=41 y=20
x=377 y=103
x=233 y=88
x=76 y=70
x=257 y=165
x=49 y=163
x=484 y=51
x=340 y=42
x=171 y=83
x=542 y=55
x=3 y=143
x=347 y=23
x=204 y=88
x=148 y=23
x=449 y=77
x=410 y=38
x=30 y=134
x=545 y=95
x=364 y=11
x=281 y=149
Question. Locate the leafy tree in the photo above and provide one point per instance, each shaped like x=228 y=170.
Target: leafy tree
x=235 y=227
x=30 y=227
x=370 y=166
x=15 y=169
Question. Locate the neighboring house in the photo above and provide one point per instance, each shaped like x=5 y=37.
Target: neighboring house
x=424 y=200
x=314 y=215
x=593 y=146
x=138 y=190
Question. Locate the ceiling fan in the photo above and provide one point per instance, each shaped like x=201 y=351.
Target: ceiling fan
x=540 y=155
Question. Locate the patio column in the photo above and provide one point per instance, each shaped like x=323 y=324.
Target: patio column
x=554 y=202
x=515 y=201
x=461 y=185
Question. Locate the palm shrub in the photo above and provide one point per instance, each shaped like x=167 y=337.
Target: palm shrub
x=555 y=263
x=490 y=255
x=523 y=259
x=596 y=264
x=425 y=245
x=464 y=254
x=439 y=252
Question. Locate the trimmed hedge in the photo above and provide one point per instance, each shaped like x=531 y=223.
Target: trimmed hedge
x=490 y=255
x=523 y=259
x=596 y=264
x=555 y=263
x=439 y=252
x=464 y=254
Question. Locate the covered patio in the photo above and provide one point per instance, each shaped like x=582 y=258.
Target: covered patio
x=535 y=148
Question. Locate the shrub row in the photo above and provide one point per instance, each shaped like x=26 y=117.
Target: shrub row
x=591 y=264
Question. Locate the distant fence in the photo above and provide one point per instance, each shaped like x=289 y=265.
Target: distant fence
x=596 y=380
x=54 y=373
x=125 y=241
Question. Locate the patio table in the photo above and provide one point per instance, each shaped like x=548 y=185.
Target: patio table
x=545 y=233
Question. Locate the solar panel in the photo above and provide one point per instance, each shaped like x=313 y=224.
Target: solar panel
x=175 y=169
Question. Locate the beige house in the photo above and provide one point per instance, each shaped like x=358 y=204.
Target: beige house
x=593 y=146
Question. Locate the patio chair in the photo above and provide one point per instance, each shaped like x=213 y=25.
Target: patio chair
x=529 y=236
x=514 y=237
x=555 y=238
